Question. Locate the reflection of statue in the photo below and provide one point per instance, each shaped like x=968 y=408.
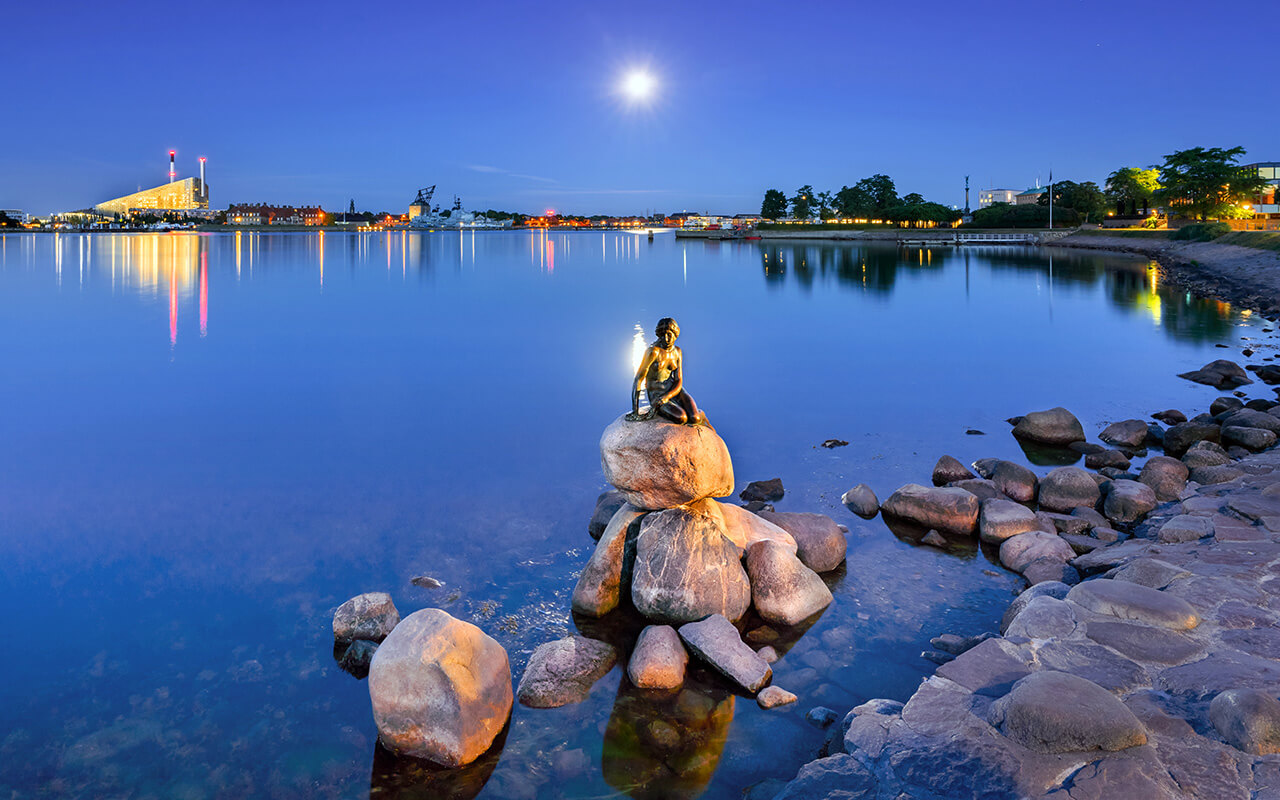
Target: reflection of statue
x=661 y=372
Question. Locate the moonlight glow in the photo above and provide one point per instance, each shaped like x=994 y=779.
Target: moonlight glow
x=638 y=85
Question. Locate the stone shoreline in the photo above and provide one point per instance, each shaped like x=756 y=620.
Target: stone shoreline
x=1154 y=677
x=1238 y=275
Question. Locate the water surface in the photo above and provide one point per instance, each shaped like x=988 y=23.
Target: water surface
x=210 y=441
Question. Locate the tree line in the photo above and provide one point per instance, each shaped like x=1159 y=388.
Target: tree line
x=875 y=197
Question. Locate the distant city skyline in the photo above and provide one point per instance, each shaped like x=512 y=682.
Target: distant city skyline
x=589 y=109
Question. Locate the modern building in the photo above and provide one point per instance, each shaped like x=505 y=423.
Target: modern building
x=15 y=214
x=183 y=195
x=987 y=197
x=263 y=214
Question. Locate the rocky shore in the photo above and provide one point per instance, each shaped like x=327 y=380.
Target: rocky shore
x=1241 y=276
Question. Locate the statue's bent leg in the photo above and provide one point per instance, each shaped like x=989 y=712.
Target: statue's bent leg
x=690 y=408
x=673 y=411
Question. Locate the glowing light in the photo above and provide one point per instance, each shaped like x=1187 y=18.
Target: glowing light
x=638 y=85
x=637 y=350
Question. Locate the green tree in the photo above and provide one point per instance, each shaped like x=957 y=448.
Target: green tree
x=1207 y=183
x=802 y=203
x=826 y=205
x=853 y=202
x=881 y=190
x=913 y=199
x=774 y=205
x=1129 y=186
x=1086 y=199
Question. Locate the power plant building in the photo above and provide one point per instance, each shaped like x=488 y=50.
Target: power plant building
x=187 y=194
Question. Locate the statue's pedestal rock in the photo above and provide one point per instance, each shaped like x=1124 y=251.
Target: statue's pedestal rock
x=659 y=465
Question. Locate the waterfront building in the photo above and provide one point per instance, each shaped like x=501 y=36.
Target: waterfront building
x=15 y=214
x=184 y=195
x=263 y=214
x=988 y=197
x=1030 y=197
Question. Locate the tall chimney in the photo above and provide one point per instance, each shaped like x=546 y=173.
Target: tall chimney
x=204 y=190
x=173 y=174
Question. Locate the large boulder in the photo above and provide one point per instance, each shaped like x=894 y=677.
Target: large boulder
x=1254 y=439
x=1001 y=519
x=1249 y=719
x=1220 y=374
x=659 y=659
x=1014 y=481
x=1018 y=552
x=1066 y=488
x=1129 y=433
x=1132 y=601
x=1252 y=418
x=1128 y=501
x=745 y=529
x=608 y=572
x=949 y=470
x=820 y=544
x=862 y=501
x=716 y=642
x=1166 y=476
x=1179 y=438
x=1050 y=589
x=783 y=590
x=1056 y=712
x=686 y=568
x=370 y=616
x=658 y=465
x=1057 y=426
x=562 y=672
x=441 y=689
x=945 y=509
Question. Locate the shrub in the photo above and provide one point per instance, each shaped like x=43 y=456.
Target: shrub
x=1201 y=232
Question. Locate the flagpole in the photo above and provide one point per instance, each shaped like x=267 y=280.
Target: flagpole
x=1051 y=199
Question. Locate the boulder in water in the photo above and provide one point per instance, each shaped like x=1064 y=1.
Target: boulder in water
x=658 y=465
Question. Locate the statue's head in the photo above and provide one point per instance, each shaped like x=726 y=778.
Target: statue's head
x=668 y=326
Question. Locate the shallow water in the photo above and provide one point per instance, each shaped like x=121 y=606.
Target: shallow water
x=210 y=441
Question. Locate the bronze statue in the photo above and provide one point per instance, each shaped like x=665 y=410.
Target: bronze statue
x=661 y=373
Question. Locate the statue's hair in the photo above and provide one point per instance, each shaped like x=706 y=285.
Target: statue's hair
x=667 y=323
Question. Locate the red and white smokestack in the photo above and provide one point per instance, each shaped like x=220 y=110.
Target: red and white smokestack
x=203 y=190
x=173 y=173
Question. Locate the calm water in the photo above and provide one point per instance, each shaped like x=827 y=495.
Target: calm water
x=210 y=441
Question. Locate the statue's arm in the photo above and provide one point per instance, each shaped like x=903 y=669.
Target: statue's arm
x=641 y=371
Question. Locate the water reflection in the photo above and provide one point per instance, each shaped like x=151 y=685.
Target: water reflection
x=400 y=778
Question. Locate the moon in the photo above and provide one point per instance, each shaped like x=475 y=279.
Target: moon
x=638 y=85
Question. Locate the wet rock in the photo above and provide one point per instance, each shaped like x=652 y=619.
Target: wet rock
x=862 y=501
x=769 y=655
x=1047 y=589
x=607 y=504
x=685 y=567
x=1166 y=476
x=955 y=645
x=1143 y=642
x=974 y=432
x=1268 y=373
x=1050 y=569
x=756 y=506
x=1128 y=501
x=839 y=776
x=1065 y=523
x=1128 y=433
x=658 y=660
x=820 y=544
x=1113 y=459
x=934 y=539
x=355 y=661
x=1080 y=542
x=1237 y=452
x=1220 y=374
x=1057 y=426
x=1205 y=457
x=832 y=444
x=1066 y=488
x=1184 y=528
x=562 y=672
x=1015 y=481
x=1224 y=404
x=1170 y=416
x=1000 y=519
x=659 y=465
x=1208 y=476
x=715 y=641
x=371 y=616
x=1179 y=438
x=981 y=488
x=985 y=467
x=774 y=696
x=946 y=509
x=1085 y=448
x=1089 y=515
x=769 y=491
x=608 y=572
x=1044 y=618
x=1054 y=712
x=1105 y=558
x=432 y=661
x=1252 y=439
x=1019 y=551
x=1132 y=601
x=426 y=582
x=1155 y=435
x=821 y=717
x=1150 y=572
x=1248 y=719
x=783 y=590
x=948 y=470
x=744 y=528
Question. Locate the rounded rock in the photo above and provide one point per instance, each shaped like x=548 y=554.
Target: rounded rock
x=1000 y=519
x=1056 y=712
x=659 y=465
x=862 y=501
x=1166 y=476
x=820 y=544
x=949 y=470
x=946 y=509
x=783 y=590
x=562 y=672
x=1020 y=551
x=1067 y=488
x=1249 y=719
x=1057 y=426
x=1128 y=501
x=686 y=568
x=370 y=616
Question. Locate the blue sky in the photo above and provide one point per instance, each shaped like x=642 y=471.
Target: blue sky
x=516 y=105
